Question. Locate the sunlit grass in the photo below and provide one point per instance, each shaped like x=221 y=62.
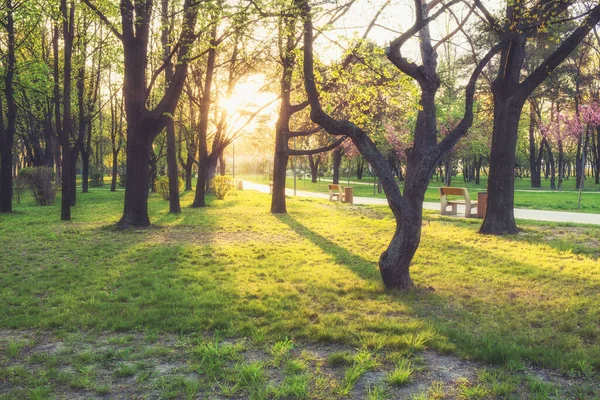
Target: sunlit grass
x=309 y=276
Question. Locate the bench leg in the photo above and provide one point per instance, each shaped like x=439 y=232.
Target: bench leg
x=453 y=209
x=468 y=211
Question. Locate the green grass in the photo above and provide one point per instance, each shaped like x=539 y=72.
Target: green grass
x=525 y=197
x=277 y=284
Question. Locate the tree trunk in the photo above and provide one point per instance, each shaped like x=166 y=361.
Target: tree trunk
x=137 y=171
x=73 y=175
x=211 y=173
x=360 y=167
x=67 y=24
x=278 y=205
x=115 y=169
x=222 y=165
x=534 y=159
x=85 y=170
x=478 y=169
x=448 y=171
x=314 y=167
x=500 y=218
x=153 y=171
x=199 y=198
x=597 y=152
x=561 y=166
x=337 y=162
x=395 y=261
x=188 y=177
x=173 y=173
x=8 y=131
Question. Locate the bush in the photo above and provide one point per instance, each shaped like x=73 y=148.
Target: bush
x=96 y=177
x=122 y=174
x=39 y=180
x=162 y=186
x=19 y=187
x=221 y=185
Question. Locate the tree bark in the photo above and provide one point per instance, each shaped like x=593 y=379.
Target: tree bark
x=337 y=162
x=67 y=25
x=222 y=165
x=314 y=167
x=172 y=171
x=203 y=154
x=500 y=206
x=143 y=124
x=115 y=170
x=137 y=171
x=597 y=152
x=535 y=166
x=8 y=131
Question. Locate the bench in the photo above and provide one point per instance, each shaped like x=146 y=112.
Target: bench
x=445 y=203
x=335 y=191
x=271 y=187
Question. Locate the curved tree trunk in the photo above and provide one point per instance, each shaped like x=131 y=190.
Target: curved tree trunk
x=394 y=263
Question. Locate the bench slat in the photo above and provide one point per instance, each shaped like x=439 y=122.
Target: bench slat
x=452 y=191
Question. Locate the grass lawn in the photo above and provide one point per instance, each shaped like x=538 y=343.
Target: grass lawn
x=525 y=197
x=230 y=301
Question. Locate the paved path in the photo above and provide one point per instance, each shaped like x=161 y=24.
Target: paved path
x=520 y=213
x=342 y=181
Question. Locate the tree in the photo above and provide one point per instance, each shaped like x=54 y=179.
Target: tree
x=7 y=132
x=144 y=124
x=510 y=93
x=174 y=206
x=426 y=152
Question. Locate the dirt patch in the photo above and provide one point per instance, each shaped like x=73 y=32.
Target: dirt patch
x=96 y=365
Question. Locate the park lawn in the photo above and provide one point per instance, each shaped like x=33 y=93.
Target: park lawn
x=525 y=197
x=205 y=289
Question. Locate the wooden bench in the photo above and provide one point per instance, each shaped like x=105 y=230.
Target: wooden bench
x=445 y=203
x=335 y=191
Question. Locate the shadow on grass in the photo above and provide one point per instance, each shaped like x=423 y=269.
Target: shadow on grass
x=363 y=268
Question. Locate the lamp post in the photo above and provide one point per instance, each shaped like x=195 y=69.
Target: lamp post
x=233 y=163
x=294 y=166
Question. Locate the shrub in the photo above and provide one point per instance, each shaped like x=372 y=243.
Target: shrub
x=39 y=180
x=19 y=187
x=162 y=186
x=96 y=177
x=122 y=174
x=221 y=185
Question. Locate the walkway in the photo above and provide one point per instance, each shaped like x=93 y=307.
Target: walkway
x=520 y=213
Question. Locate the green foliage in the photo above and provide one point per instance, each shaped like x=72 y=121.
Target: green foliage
x=39 y=180
x=20 y=185
x=221 y=186
x=162 y=186
x=96 y=177
x=122 y=174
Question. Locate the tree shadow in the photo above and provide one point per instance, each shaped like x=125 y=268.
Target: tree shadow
x=360 y=266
